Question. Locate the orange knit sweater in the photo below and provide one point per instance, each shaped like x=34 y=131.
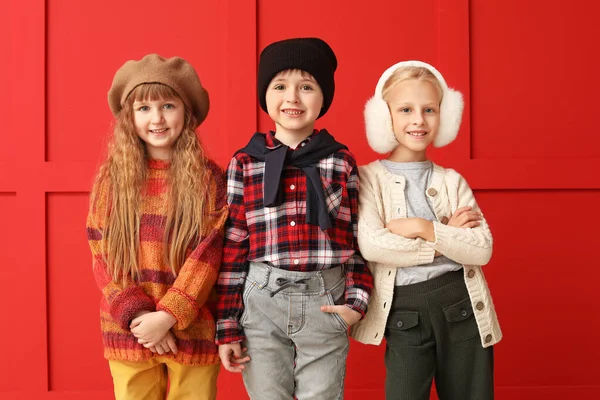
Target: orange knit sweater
x=189 y=297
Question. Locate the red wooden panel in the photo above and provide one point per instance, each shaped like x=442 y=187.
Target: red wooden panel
x=12 y=293
x=534 y=84
x=544 y=280
x=74 y=338
x=6 y=72
x=81 y=66
x=26 y=96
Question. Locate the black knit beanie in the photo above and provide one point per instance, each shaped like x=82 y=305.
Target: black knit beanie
x=312 y=55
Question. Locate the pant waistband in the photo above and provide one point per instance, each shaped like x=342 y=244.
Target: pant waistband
x=266 y=276
x=429 y=285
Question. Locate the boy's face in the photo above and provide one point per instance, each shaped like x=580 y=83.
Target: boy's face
x=159 y=123
x=415 y=109
x=294 y=100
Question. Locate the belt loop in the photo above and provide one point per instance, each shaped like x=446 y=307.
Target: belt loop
x=322 y=282
x=267 y=275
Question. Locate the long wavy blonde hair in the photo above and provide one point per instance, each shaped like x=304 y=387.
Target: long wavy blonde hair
x=123 y=176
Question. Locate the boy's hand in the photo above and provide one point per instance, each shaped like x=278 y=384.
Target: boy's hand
x=349 y=315
x=231 y=357
x=152 y=327
x=465 y=217
x=165 y=345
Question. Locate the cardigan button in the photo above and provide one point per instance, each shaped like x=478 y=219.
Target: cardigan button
x=471 y=273
x=431 y=192
x=488 y=338
x=479 y=306
x=444 y=220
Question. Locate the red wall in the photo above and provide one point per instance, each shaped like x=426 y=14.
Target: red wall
x=528 y=147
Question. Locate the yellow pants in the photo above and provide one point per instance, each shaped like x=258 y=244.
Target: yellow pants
x=147 y=380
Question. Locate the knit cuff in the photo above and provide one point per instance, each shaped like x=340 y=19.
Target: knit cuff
x=426 y=253
x=179 y=305
x=128 y=303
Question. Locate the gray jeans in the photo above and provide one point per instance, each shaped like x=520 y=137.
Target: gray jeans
x=295 y=348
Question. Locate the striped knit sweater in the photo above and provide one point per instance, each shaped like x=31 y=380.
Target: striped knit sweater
x=189 y=297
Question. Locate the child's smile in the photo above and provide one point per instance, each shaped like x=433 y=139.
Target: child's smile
x=294 y=100
x=292 y=112
x=414 y=107
x=418 y=134
x=159 y=123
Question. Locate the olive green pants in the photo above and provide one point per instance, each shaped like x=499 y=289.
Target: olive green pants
x=431 y=333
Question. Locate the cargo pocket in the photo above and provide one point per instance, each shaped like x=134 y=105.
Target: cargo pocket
x=402 y=329
x=461 y=321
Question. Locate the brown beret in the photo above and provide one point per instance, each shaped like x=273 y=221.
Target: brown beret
x=174 y=72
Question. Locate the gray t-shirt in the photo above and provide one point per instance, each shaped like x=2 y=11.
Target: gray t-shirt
x=418 y=178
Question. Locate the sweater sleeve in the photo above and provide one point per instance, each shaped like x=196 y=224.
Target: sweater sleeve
x=198 y=275
x=376 y=242
x=472 y=246
x=124 y=298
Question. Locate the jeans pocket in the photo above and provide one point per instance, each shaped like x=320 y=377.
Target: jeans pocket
x=249 y=287
x=403 y=329
x=336 y=296
x=461 y=321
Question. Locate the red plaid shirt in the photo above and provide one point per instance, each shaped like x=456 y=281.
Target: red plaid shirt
x=280 y=235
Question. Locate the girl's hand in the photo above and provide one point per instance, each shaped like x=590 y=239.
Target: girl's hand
x=412 y=228
x=166 y=345
x=349 y=315
x=465 y=217
x=231 y=357
x=152 y=327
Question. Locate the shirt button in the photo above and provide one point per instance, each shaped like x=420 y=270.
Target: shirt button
x=303 y=144
x=296 y=261
x=444 y=220
x=292 y=187
x=479 y=306
x=293 y=223
x=488 y=338
x=431 y=192
x=399 y=324
x=471 y=273
x=463 y=313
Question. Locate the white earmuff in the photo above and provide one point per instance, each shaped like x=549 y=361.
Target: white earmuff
x=378 y=121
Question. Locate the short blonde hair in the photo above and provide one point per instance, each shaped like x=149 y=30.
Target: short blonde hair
x=407 y=73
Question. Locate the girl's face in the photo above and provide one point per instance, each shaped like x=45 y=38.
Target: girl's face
x=294 y=100
x=415 y=110
x=159 y=123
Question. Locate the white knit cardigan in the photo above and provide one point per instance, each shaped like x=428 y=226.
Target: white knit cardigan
x=381 y=199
